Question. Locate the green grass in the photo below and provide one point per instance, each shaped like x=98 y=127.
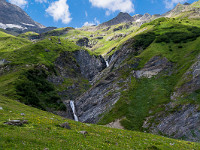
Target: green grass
x=28 y=35
x=149 y=94
x=43 y=131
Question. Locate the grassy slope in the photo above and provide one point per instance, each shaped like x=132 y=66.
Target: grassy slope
x=149 y=94
x=103 y=45
x=24 y=55
x=43 y=131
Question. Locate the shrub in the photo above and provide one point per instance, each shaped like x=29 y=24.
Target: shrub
x=143 y=40
x=34 y=89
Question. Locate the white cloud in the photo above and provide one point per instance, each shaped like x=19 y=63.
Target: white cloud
x=95 y=22
x=59 y=10
x=20 y=3
x=41 y=1
x=169 y=4
x=114 y=5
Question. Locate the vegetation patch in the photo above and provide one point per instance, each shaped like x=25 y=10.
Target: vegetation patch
x=34 y=89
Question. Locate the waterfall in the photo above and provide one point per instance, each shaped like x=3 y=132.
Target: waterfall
x=74 y=111
x=107 y=64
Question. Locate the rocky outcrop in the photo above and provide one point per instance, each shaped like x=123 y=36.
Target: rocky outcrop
x=75 y=66
x=100 y=98
x=83 y=42
x=90 y=65
x=153 y=67
x=190 y=81
x=107 y=87
x=182 y=124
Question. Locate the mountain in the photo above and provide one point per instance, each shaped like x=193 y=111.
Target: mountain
x=141 y=75
x=184 y=10
x=120 y=18
x=13 y=18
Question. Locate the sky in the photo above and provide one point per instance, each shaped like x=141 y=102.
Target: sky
x=78 y=13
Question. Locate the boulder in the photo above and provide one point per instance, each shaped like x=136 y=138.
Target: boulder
x=16 y=122
x=65 y=125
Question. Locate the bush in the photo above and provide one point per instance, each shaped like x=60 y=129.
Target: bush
x=143 y=40
x=177 y=37
x=35 y=90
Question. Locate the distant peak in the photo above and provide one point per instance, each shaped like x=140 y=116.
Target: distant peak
x=186 y=3
x=123 y=14
x=120 y=18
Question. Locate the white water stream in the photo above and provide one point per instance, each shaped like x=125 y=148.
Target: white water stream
x=107 y=64
x=73 y=109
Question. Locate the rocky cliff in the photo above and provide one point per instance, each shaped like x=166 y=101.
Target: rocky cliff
x=14 y=19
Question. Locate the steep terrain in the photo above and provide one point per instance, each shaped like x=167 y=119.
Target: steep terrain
x=15 y=20
x=139 y=73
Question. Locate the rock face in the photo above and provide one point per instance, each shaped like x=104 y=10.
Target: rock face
x=191 y=81
x=75 y=65
x=13 y=15
x=90 y=65
x=121 y=18
x=83 y=42
x=153 y=67
x=105 y=93
x=182 y=124
x=14 y=19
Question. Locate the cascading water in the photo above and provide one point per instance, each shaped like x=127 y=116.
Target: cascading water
x=73 y=109
x=107 y=64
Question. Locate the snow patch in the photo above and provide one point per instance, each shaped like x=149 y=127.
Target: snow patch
x=5 y=26
x=28 y=24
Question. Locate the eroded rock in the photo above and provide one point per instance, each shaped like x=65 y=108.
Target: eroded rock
x=153 y=67
x=16 y=122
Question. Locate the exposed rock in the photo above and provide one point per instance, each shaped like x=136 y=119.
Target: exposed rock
x=153 y=67
x=65 y=125
x=145 y=17
x=191 y=81
x=182 y=124
x=83 y=132
x=118 y=28
x=121 y=18
x=1 y=108
x=115 y=37
x=90 y=65
x=137 y=17
x=99 y=37
x=83 y=42
x=16 y=21
x=16 y=122
x=12 y=14
x=115 y=124
x=106 y=87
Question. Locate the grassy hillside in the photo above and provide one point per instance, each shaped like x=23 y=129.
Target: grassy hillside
x=174 y=40
x=43 y=131
x=24 y=75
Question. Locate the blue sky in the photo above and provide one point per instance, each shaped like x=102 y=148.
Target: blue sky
x=76 y=13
